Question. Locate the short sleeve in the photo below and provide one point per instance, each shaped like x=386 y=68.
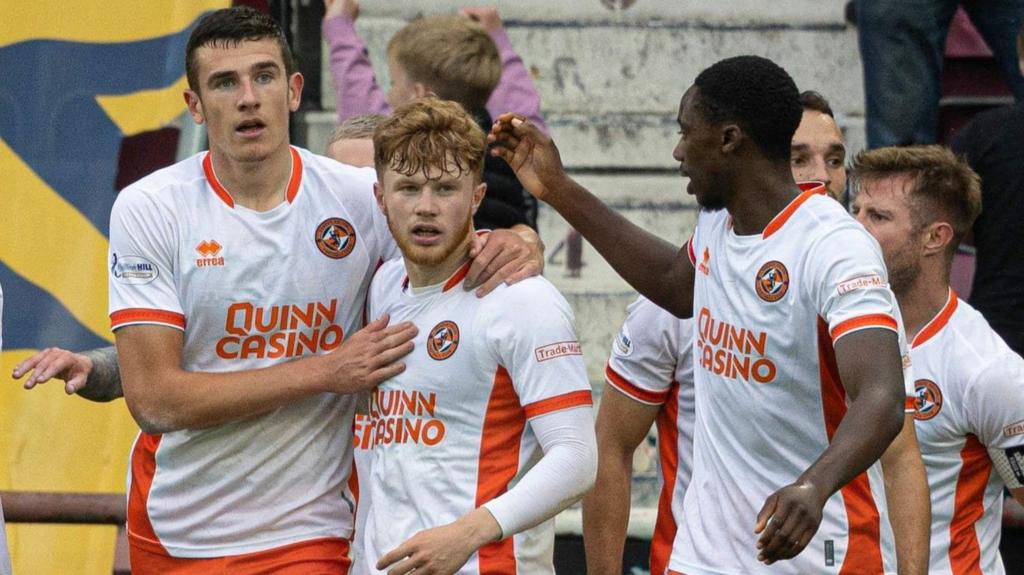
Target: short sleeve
x=994 y=403
x=647 y=351
x=531 y=331
x=850 y=285
x=142 y=268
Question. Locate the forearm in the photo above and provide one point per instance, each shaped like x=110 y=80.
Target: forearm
x=563 y=474
x=104 y=381
x=175 y=399
x=655 y=268
x=908 y=499
x=606 y=513
x=355 y=86
x=872 y=422
x=515 y=91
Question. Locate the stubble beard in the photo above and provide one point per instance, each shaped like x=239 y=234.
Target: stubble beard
x=432 y=256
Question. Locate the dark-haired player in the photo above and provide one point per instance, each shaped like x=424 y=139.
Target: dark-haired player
x=817 y=150
x=798 y=372
x=650 y=381
x=237 y=283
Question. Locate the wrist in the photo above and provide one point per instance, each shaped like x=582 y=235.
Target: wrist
x=479 y=527
x=816 y=486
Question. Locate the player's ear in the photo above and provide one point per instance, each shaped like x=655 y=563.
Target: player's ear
x=195 y=106
x=732 y=136
x=295 y=83
x=478 y=195
x=421 y=90
x=937 y=237
x=378 y=193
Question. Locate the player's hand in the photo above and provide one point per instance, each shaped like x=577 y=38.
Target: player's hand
x=54 y=362
x=369 y=356
x=503 y=256
x=349 y=8
x=486 y=16
x=788 y=520
x=442 y=550
x=532 y=155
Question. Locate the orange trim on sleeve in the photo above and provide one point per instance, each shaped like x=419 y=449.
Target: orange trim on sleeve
x=689 y=252
x=780 y=219
x=938 y=322
x=968 y=507
x=143 y=315
x=864 y=321
x=634 y=392
x=558 y=403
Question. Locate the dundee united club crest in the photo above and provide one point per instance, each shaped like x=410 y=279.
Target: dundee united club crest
x=335 y=237
x=929 y=399
x=443 y=340
x=772 y=281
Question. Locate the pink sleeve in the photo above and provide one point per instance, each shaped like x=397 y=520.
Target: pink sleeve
x=355 y=87
x=515 y=91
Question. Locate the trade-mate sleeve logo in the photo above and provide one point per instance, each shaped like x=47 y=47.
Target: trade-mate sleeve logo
x=772 y=281
x=443 y=340
x=929 y=399
x=335 y=237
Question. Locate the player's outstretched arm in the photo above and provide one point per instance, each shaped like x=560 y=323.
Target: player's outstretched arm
x=504 y=256
x=655 y=268
x=871 y=371
x=622 y=424
x=93 y=374
x=908 y=500
x=163 y=397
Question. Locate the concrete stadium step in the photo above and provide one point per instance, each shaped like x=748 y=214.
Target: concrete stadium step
x=644 y=64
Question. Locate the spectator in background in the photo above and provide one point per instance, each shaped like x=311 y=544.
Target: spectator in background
x=352 y=141
x=993 y=144
x=901 y=45
x=450 y=56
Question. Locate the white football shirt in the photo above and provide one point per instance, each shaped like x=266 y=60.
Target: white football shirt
x=767 y=310
x=652 y=362
x=452 y=432
x=248 y=289
x=970 y=399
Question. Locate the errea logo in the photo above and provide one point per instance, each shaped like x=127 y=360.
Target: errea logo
x=209 y=251
x=703 y=267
